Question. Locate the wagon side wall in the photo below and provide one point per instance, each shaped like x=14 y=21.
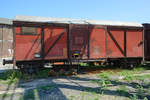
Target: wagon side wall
x=92 y=41
x=147 y=41
x=124 y=42
x=6 y=41
x=27 y=45
x=49 y=42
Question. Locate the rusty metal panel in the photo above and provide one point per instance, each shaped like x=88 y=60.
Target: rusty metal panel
x=27 y=46
x=7 y=49
x=97 y=43
x=55 y=41
x=79 y=41
x=115 y=43
x=134 y=43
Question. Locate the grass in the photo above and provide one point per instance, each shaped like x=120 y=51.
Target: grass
x=13 y=76
x=84 y=64
x=86 y=95
x=130 y=72
x=104 y=79
x=140 y=91
x=34 y=94
x=72 y=97
x=47 y=87
x=128 y=76
x=134 y=97
x=122 y=90
x=5 y=95
x=104 y=82
x=104 y=75
x=142 y=77
x=10 y=77
x=29 y=95
x=42 y=73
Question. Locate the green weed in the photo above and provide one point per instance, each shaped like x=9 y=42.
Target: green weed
x=140 y=91
x=84 y=64
x=11 y=76
x=72 y=97
x=145 y=98
x=104 y=75
x=134 y=97
x=122 y=90
x=142 y=78
x=47 y=87
x=28 y=96
x=129 y=78
x=42 y=73
x=5 y=95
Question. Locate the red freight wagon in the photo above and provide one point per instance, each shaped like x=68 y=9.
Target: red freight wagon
x=40 y=40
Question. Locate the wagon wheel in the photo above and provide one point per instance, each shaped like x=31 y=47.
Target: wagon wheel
x=22 y=69
x=123 y=64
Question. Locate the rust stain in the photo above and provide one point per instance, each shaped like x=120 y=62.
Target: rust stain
x=96 y=50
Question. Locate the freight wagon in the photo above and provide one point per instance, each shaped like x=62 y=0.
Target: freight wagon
x=146 y=42
x=6 y=38
x=41 y=41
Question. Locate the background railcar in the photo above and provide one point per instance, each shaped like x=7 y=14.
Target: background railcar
x=6 y=38
x=147 y=41
x=39 y=41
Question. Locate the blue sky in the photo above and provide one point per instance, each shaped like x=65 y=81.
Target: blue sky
x=115 y=10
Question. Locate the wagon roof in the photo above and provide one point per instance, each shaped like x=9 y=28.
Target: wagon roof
x=74 y=21
x=5 y=21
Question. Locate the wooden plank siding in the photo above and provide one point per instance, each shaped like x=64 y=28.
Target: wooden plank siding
x=6 y=41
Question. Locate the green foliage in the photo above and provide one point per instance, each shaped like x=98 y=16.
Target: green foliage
x=125 y=72
x=140 y=91
x=145 y=98
x=29 y=95
x=82 y=96
x=129 y=78
x=47 y=87
x=104 y=79
x=139 y=69
x=142 y=77
x=4 y=95
x=43 y=73
x=72 y=98
x=148 y=90
x=11 y=76
x=134 y=97
x=122 y=90
x=104 y=75
x=104 y=83
x=84 y=64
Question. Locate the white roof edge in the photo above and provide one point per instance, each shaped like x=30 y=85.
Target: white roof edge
x=75 y=21
x=5 y=21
